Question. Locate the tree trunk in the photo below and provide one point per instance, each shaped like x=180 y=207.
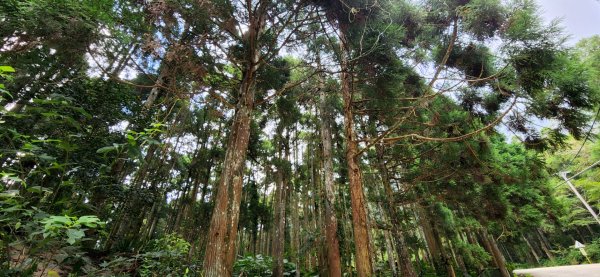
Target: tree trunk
x=357 y=197
x=535 y=255
x=220 y=249
x=446 y=263
x=496 y=254
x=279 y=222
x=331 y=225
x=406 y=266
x=295 y=218
x=544 y=244
x=318 y=218
x=390 y=252
x=432 y=247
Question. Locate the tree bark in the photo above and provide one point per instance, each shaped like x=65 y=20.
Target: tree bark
x=535 y=254
x=390 y=252
x=496 y=254
x=279 y=222
x=432 y=247
x=545 y=245
x=357 y=197
x=406 y=266
x=220 y=249
x=331 y=225
x=218 y=260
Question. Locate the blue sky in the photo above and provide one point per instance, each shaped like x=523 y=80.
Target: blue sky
x=580 y=18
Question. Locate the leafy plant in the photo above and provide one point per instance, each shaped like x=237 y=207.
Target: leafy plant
x=71 y=228
x=166 y=257
x=260 y=265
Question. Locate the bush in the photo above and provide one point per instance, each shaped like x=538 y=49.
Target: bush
x=260 y=266
x=166 y=256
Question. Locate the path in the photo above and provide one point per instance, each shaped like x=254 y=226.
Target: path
x=587 y=270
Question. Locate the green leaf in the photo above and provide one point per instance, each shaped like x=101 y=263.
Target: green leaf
x=89 y=221
x=5 y=68
x=38 y=189
x=153 y=141
x=61 y=220
x=46 y=157
x=106 y=149
x=74 y=235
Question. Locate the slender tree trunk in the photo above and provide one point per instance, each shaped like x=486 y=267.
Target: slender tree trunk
x=389 y=249
x=155 y=90
x=432 y=247
x=154 y=220
x=496 y=254
x=458 y=260
x=446 y=263
x=279 y=222
x=331 y=225
x=544 y=244
x=179 y=209
x=295 y=226
x=507 y=253
x=406 y=266
x=318 y=216
x=535 y=254
x=358 y=201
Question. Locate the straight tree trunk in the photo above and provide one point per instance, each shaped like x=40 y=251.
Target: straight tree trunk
x=535 y=254
x=220 y=249
x=406 y=266
x=318 y=217
x=495 y=251
x=432 y=247
x=389 y=249
x=357 y=197
x=331 y=225
x=279 y=222
x=446 y=263
x=544 y=244
x=295 y=218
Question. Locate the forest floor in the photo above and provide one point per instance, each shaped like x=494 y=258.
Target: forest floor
x=587 y=270
x=47 y=267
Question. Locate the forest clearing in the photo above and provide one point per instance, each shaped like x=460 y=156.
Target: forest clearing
x=296 y=138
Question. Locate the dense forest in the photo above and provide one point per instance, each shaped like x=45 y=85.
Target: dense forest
x=294 y=138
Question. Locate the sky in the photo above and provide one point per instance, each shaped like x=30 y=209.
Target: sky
x=580 y=18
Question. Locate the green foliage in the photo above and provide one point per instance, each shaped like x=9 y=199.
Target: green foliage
x=136 y=140
x=5 y=76
x=473 y=255
x=260 y=265
x=166 y=256
x=483 y=18
x=43 y=238
x=475 y=60
x=445 y=216
x=71 y=228
x=572 y=256
x=587 y=50
x=253 y=266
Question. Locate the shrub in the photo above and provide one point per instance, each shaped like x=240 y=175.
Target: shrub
x=260 y=266
x=166 y=256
